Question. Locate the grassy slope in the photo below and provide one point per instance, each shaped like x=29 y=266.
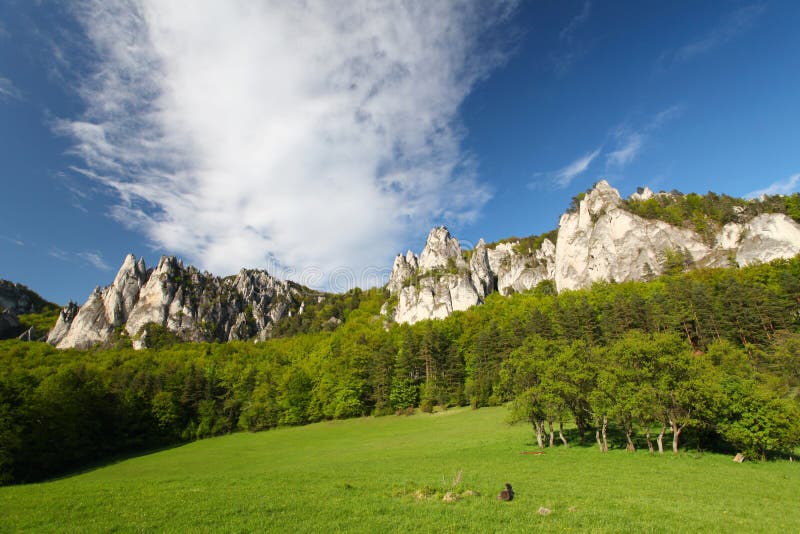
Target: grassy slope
x=357 y=475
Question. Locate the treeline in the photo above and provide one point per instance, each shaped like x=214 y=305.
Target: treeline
x=710 y=357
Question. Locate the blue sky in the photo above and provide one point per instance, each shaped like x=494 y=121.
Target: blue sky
x=319 y=141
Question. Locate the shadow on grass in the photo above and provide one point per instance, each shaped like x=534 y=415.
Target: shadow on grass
x=101 y=463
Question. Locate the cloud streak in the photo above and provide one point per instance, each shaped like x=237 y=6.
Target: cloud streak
x=89 y=257
x=726 y=30
x=630 y=141
x=571 y=49
x=8 y=90
x=303 y=134
x=564 y=177
x=790 y=185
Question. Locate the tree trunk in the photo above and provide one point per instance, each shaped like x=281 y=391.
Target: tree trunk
x=676 y=436
x=605 y=438
x=660 y=438
x=649 y=441
x=538 y=426
x=597 y=437
x=552 y=433
x=630 y=446
x=561 y=434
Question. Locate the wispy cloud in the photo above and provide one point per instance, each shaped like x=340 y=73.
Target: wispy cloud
x=727 y=29
x=562 y=178
x=89 y=257
x=790 y=185
x=95 y=259
x=627 y=140
x=8 y=90
x=630 y=140
x=570 y=48
x=315 y=134
x=12 y=240
x=629 y=145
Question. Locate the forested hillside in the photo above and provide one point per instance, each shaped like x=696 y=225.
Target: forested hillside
x=709 y=358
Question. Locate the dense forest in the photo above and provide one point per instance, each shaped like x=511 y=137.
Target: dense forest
x=708 y=359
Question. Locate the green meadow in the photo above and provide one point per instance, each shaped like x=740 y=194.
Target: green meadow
x=391 y=474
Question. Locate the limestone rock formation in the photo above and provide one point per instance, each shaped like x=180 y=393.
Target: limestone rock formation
x=404 y=268
x=442 y=251
x=439 y=282
x=65 y=318
x=601 y=240
x=767 y=237
x=522 y=270
x=196 y=306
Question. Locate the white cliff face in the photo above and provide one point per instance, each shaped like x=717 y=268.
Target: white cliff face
x=438 y=294
x=63 y=323
x=441 y=250
x=483 y=278
x=155 y=297
x=522 y=271
x=403 y=269
x=643 y=193
x=436 y=298
x=104 y=310
x=604 y=242
x=768 y=237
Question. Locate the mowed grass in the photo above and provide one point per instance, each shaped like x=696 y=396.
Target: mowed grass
x=361 y=475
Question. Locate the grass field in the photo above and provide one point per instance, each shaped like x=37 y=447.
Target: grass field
x=373 y=475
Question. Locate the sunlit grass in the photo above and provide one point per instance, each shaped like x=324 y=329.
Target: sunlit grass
x=359 y=476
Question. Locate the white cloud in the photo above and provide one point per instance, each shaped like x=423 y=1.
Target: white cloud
x=311 y=134
x=565 y=176
x=8 y=90
x=790 y=185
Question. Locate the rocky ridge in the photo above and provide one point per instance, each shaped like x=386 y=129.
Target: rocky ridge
x=601 y=240
x=196 y=306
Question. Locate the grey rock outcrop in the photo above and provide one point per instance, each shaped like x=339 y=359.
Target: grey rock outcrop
x=195 y=306
x=9 y=324
x=601 y=240
x=17 y=299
